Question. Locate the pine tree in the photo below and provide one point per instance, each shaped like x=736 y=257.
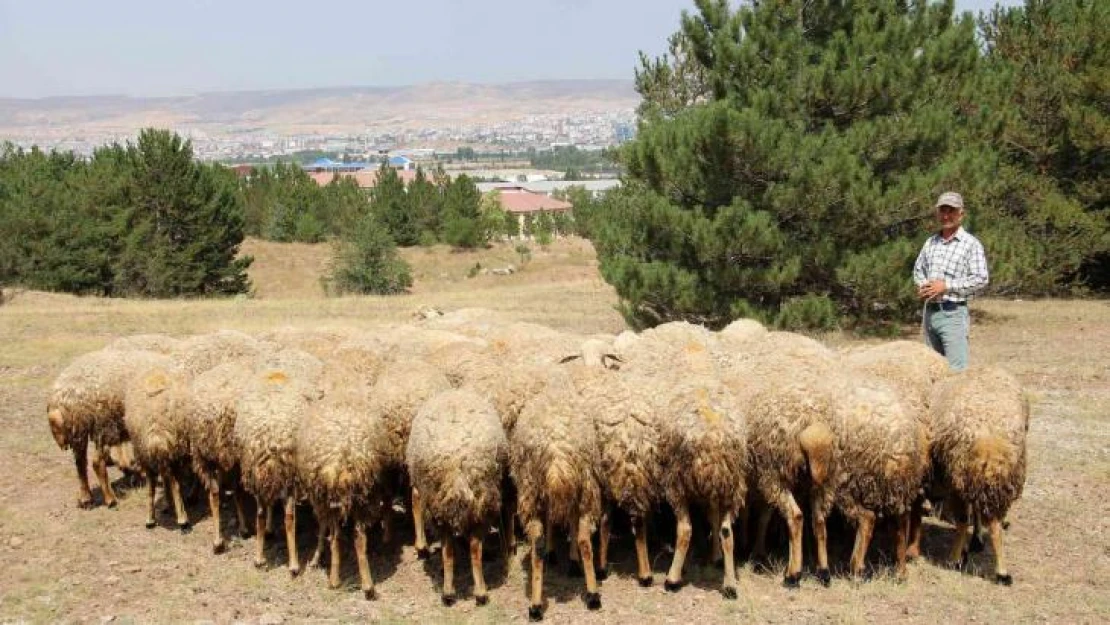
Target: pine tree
x=391 y=207
x=367 y=262
x=462 y=214
x=424 y=202
x=804 y=181
x=183 y=226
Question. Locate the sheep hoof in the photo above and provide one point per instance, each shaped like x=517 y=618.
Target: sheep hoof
x=574 y=569
x=113 y=505
x=294 y=571
x=448 y=599
x=976 y=545
x=185 y=528
x=259 y=563
x=245 y=533
x=535 y=613
x=1006 y=525
x=792 y=581
x=481 y=599
x=670 y=586
x=423 y=553
x=369 y=594
x=729 y=592
x=219 y=548
x=603 y=574
x=85 y=504
x=646 y=582
x=151 y=524
x=1004 y=580
x=824 y=577
x=593 y=601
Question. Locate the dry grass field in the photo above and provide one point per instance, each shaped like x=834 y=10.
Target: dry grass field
x=62 y=564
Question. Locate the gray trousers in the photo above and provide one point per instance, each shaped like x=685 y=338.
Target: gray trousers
x=946 y=331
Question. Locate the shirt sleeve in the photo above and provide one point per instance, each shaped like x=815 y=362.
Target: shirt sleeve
x=920 y=272
x=977 y=276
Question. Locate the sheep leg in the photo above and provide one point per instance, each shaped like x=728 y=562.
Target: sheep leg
x=364 y=577
x=336 y=558
x=715 y=553
x=100 y=467
x=219 y=545
x=261 y=520
x=586 y=553
x=682 y=544
x=151 y=489
x=820 y=533
x=916 y=513
x=178 y=502
x=976 y=545
x=643 y=563
x=865 y=526
x=269 y=529
x=730 y=587
x=534 y=529
x=795 y=522
x=81 y=461
x=603 y=547
x=759 y=549
x=321 y=539
x=481 y=594
x=447 y=552
x=240 y=512
x=418 y=525
x=291 y=534
x=902 y=537
x=959 y=546
x=507 y=530
x=1001 y=575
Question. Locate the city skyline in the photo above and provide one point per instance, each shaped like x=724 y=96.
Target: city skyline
x=140 y=49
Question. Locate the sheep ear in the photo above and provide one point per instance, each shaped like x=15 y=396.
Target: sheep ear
x=567 y=359
x=614 y=364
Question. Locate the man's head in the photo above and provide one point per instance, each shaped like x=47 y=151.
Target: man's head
x=950 y=210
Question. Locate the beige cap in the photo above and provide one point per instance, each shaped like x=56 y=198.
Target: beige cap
x=950 y=198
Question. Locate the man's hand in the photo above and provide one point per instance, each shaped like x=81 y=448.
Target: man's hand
x=931 y=289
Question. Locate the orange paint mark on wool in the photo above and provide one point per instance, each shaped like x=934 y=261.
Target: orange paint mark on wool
x=277 y=377
x=708 y=414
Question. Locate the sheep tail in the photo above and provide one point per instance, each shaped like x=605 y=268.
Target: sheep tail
x=817 y=443
x=458 y=498
x=993 y=457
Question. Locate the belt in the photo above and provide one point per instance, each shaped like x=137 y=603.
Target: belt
x=946 y=306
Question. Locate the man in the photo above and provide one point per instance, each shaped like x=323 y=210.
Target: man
x=950 y=268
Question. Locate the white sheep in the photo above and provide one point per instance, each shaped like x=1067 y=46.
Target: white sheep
x=457 y=455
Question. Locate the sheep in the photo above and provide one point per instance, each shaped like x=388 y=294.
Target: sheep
x=158 y=343
x=268 y=412
x=779 y=377
x=155 y=410
x=456 y=457
x=159 y=409
x=883 y=455
x=912 y=368
x=630 y=458
x=86 y=403
x=340 y=469
x=552 y=459
x=211 y=432
x=703 y=441
x=979 y=421
x=317 y=343
x=397 y=395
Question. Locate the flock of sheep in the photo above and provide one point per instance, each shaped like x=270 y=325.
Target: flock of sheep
x=490 y=421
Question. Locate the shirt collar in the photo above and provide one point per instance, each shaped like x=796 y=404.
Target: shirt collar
x=959 y=234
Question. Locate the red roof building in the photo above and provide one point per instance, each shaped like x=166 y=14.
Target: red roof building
x=365 y=178
x=521 y=201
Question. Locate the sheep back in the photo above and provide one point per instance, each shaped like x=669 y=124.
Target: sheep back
x=213 y=397
x=156 y=415
x=456 y=457
x=401 y=389
x=553 y=454
x=980 y=419
x=704 y=443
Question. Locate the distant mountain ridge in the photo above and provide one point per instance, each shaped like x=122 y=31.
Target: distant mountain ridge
x=335 y=109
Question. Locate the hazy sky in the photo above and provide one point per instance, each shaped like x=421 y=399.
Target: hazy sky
x=176 y=47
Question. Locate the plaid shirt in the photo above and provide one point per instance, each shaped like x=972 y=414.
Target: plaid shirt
x=959 y=261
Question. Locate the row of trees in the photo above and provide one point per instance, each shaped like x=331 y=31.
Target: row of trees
x=789 y=152
x=143 y=219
